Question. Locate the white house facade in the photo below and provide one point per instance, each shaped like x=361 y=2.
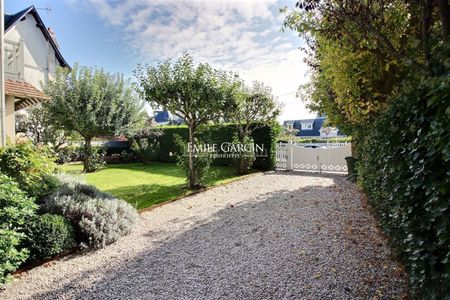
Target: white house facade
x=31 y=56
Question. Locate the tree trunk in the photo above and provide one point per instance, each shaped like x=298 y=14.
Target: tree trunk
x=192 y=175
x=243 y=161
x=444 y=10
x=87 y=155
x=426 y=23
x=141 y=151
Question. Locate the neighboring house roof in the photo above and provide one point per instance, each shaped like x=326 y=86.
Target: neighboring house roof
x=315 y=131
x=24 y=91
x=11 y=20
x=164 y=117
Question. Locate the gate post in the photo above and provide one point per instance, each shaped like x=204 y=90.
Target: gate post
x=289 y=156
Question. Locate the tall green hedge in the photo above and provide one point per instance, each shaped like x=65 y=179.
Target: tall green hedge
x=404 y=166
x=217 y=134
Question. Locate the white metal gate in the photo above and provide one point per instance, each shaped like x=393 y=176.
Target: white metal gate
x=290 y=156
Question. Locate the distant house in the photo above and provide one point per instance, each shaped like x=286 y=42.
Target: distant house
x=163 y=117
x=312 y=128
x=31 y=58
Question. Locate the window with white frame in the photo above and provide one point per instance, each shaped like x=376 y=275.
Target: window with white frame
x=13 y=58
x=307 y=126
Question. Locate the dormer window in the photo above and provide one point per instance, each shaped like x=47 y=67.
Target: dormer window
x=307 y=126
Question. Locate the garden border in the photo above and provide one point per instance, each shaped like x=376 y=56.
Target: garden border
x=18 y=273
x=146 y=209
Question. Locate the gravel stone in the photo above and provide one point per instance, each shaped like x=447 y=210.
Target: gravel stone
x=276 y=235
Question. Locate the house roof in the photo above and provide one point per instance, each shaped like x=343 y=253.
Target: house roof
x=165 y=117
x=162 y=116
x=11 y=20
x=26 y=93
x=315 y=131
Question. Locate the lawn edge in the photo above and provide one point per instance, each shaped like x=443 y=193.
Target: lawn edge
x=18 y=273
x=192 y=193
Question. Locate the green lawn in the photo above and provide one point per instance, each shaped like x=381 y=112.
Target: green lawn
x=145 y=185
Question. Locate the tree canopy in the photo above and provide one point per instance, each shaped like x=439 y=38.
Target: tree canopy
x=380 y=72
x=92 y=103
x=196 y=93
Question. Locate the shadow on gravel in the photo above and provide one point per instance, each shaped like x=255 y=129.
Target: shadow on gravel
x=312 y=243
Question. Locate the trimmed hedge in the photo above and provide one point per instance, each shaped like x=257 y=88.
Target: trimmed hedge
x=218 y=134
x=404 y=166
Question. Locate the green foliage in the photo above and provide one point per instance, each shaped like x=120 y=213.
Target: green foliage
x=251 y=108
x=245 y=159
x=92 y=102
x=360 y=53
x=11 y=254
x=266 y=135
x=49 y=235
x=40 y=130
x=15 y=206
x=146 y=185
x=68 y=153
x=16 y=209
x=198 y=94
x=201 y=162
x=194 y=93
x=403 y=165
x=98 y=218
x=381 y=73
x=146 y=143
x=95 y=160
x=32 y=167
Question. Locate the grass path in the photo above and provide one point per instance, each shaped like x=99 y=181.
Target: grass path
x=145 y=185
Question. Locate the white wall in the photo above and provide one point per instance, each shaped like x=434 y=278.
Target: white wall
x=39 y=60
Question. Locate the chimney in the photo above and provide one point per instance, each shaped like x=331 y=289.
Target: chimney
x=53 y=36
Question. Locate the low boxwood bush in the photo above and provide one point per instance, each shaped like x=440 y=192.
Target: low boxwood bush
x=404 y=166
x=16 y=209
x=98 y=218
x=49 y=235
x=30 y=166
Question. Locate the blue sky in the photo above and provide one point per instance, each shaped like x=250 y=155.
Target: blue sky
x=241 y=36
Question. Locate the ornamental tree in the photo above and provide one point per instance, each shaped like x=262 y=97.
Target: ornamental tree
x=251 y=108
x=92 y=103
x=195 y=93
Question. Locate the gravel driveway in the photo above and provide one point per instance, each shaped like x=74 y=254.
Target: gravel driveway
x=269 y=236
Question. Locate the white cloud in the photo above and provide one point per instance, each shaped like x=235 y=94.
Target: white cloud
x=242 y=36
